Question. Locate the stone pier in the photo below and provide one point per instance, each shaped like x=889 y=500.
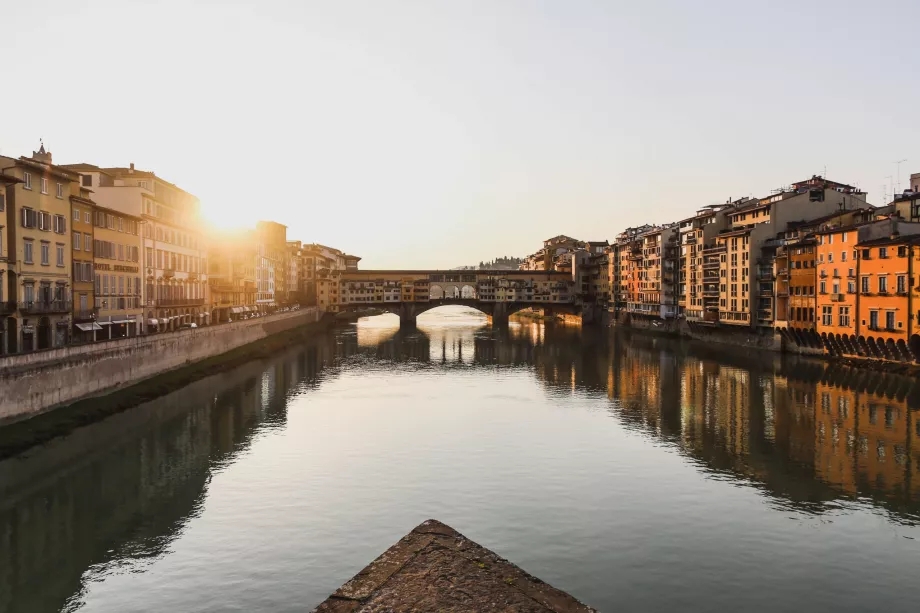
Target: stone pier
x=435 y=568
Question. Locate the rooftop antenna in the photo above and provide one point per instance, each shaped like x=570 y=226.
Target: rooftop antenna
x=891 y=185
x=898 y=164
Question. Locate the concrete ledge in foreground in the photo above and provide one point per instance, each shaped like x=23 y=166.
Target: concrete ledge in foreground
x=435 y=568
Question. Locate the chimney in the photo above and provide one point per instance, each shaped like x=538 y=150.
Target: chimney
x=131 y=169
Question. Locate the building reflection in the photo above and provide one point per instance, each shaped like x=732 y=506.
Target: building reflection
x=805 y=433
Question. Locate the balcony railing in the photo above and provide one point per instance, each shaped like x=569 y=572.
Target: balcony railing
x=837 y=297
x=38 y=307
x=169 y=273
x=85 y=314
x=764 y=273
x=176 y=302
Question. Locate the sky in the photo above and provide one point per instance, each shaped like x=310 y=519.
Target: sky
x=435 y=134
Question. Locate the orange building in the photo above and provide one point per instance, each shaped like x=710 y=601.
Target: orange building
x=888 y=283
x=835 y=306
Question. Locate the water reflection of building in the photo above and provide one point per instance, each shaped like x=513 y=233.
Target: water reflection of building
x=125 y=487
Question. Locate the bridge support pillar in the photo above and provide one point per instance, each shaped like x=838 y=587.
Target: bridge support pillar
x=407 y=316
x=499 y=315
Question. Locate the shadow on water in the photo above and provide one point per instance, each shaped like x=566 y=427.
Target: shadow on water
x=809 y=435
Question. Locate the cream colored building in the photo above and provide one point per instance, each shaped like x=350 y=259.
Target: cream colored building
x=174 y=257
x=117 y=245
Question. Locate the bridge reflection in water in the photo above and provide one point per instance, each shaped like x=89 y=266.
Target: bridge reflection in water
x=807 y=434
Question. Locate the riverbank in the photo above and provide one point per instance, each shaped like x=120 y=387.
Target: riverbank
x=19 y=435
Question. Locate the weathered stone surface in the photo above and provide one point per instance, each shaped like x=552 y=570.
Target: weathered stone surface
x=435 y=568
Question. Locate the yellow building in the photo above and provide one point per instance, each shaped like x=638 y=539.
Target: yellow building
x=39 y=251
x=117 y=244
x=232 y=275
x=85 y=312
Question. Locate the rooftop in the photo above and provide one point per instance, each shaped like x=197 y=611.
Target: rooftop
x=435 y=568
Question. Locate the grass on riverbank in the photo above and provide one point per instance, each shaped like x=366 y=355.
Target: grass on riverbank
x=20 y=436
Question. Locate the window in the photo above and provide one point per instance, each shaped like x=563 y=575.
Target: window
x=830 y=258
x=87 y=180
x=844 y=316
x=843 y=237
x=44 y=185
x=60 y=191
x=60 y=224
x=2 y=204
x=883 y=252
x=883 y=285
x=902 y=284
x=121 y=224
x=60 y=254
x=889 y=320
x=823 y=287
x=142 y=184
x=27 y=180
x=843 y=255
x=76 y=214
x=865 y=285
x=46 y=253
x=28 y=217
x=87 y=217
x=851 y=287
x=27 y=250
x=87 y=243
x=873 y=320
x=77 y=241
x=827 y=316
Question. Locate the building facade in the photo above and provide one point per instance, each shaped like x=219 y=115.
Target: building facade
x=117 y=246
x=174 y=255
x=85 y=312
x=38 y=266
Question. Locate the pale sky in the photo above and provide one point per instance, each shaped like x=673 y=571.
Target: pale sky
x=436 y=134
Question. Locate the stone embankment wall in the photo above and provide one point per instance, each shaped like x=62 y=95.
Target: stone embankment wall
x=36 y=382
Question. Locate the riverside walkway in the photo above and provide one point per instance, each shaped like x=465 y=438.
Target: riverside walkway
x=435 y=568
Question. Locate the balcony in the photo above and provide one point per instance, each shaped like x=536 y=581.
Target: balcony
x=177 y=302
x=169 y=273
x=823 y=274
x=38 y=308
x=837 y=297
x=85 y=314
x=710 y=293
x=765 y=273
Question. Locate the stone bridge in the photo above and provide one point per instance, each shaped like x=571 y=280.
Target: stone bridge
x=497 y=293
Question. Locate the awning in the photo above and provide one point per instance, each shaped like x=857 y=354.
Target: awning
x=123 y=321
x=247 y=309
x=236 y=309
x=153 y=322
x=89 y=327
x=105 y=323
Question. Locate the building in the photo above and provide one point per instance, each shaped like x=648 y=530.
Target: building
x=85 y=312
x=695 y=234
x=887 y=314
x=624 y=267
x=653 y=274
x=796 y=267
x=232 y=261
x=38 y=248
x=174 y=255
x=271 y=289
x=295 y=274
x=117 y=248
x=7 y=264
x=747 y=248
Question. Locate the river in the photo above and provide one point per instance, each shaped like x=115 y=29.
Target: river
x=636 y=472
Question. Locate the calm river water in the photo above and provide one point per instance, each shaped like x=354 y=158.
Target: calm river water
x=637 y=473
